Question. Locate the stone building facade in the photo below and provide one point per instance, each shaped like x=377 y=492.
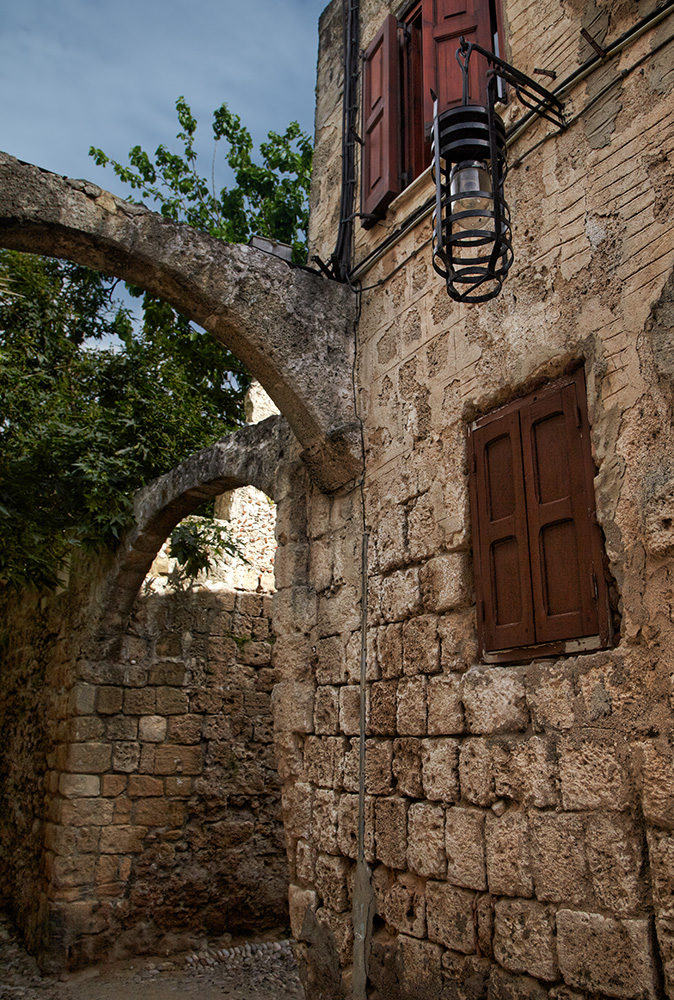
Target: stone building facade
x=517 y=818
x=461 y=823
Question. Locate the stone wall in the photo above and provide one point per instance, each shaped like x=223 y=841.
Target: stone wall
x=518 y=819
x=142 y=798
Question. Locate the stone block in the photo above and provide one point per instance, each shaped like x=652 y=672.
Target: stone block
x=407 y=767
x=169 y=673
x=300 y=901
x=390 y=544
x=293 y=707
x=69 y=872
x=476 y=772
x=87 y=812
x=75 y=786
x=464 y=846
x=411 y=713
x=550 y=695
x=152 y=728
x=324 y=820
x=440 y=769
x=144 y=786
x=382 y=708
x=172 y=701
x=289 y=756
x=332 y=874
x=391 y=831
x=305 y=861
x=526 y=771
x=82 y=700
x=322 y=759
x=109 y=700
x=505 y=985
x=446 y=582
x=458 y=642
x=426 y=840
x=347 y=826
x=615 y=859
x=158 y=812
x=400 y=595
x=140 y=701
x=603 y=955
x=349 y=709
x=88 y=758
x=445 y=708
x=390 y=650
x=187 y=729
x=331 y=660
x=465 y=977
x=113 y=784
x=350 y=766
x=178 y=787
x=121 y=727
x=661 y=857
x=379 y=767
x=655 y=764
x=494 y=701
x=420 y=968
x=507 y=855
x=524 y=937
x=293 y=659
x=558 y=858
x=296 y=803
x=176 y=759
x=593 y=775
x=450 y=916
x=326 y=709
x=424 y=530
x=125 y=756
x=403 y=904
x=421 y=646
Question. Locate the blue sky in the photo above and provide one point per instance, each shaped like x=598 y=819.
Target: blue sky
x=75 y=73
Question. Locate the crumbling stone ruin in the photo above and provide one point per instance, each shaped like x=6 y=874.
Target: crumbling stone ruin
x=473 y=612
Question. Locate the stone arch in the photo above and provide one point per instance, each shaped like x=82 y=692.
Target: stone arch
x=248 y=457
x=292 y=328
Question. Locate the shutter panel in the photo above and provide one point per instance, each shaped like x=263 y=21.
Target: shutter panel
x=560 y=505
x=500 y=544
x=380 y=180
x=444 y=21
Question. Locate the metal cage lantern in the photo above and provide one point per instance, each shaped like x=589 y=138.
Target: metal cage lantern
x=472 y=235
x=472 y=238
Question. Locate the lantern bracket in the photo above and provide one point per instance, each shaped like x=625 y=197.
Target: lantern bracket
x=531 y=94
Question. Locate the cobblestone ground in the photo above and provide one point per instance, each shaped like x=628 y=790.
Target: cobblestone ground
x=252 y=972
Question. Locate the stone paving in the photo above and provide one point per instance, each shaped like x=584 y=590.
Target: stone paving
x=251 y=971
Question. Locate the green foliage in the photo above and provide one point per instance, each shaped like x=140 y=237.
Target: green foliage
x=92 y=406
x=84 y=426
x=196 y=545
x=270 y=198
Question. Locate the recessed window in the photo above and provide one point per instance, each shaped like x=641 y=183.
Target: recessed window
x=407 y=59
x=540 y=576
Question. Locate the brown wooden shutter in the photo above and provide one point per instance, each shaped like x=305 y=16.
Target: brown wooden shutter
x=500 y=544
x=566 y=569
x=380 y=180
x=444 y=21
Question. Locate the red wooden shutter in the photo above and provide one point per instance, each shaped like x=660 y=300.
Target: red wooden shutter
x=566 y=574
x=444 y=21
x=500 y=545
x=380 y=180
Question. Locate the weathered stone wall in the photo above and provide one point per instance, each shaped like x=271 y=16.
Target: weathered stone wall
x=518 y=818
x=141 y=798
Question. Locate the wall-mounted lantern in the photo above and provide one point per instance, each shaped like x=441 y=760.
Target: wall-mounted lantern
x=472 y=237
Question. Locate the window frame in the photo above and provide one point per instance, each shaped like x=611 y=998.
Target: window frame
x=592 y=615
